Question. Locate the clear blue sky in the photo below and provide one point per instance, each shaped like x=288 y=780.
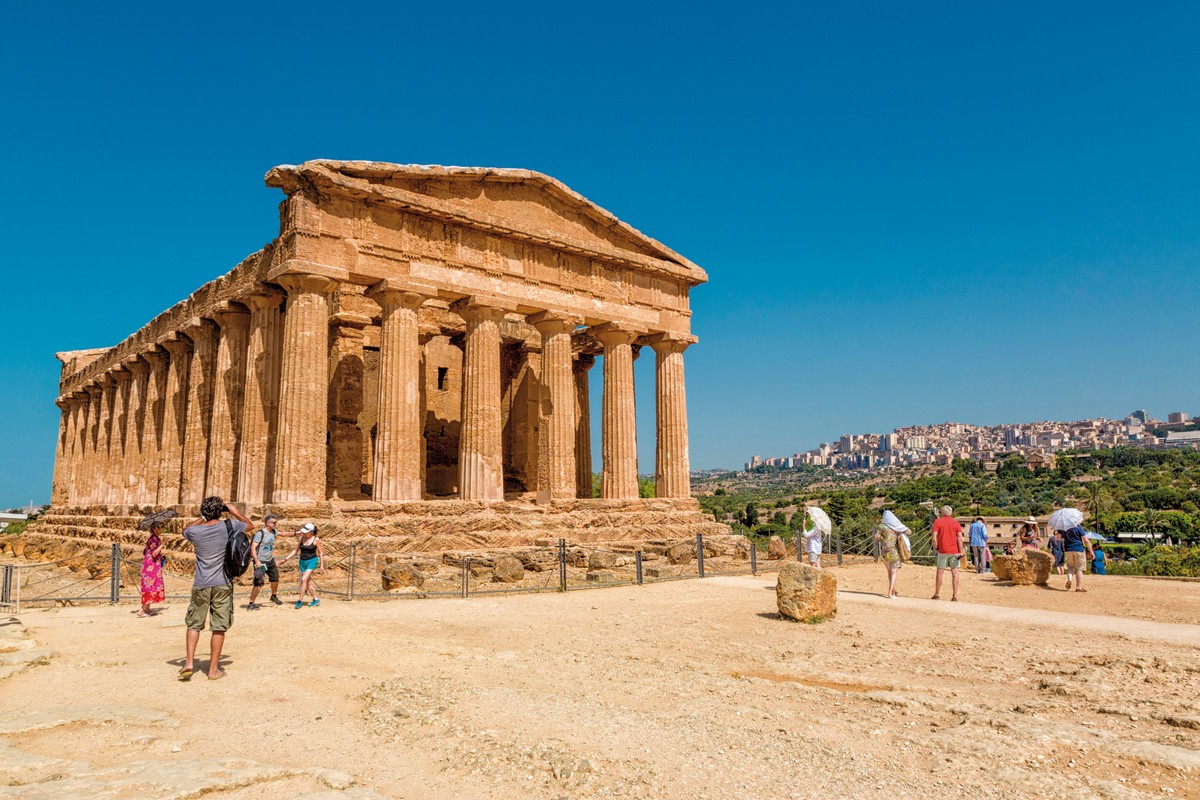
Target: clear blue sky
x=909 y=213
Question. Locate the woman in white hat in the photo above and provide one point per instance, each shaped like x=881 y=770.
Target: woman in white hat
x=892 y=534
x=312 y=558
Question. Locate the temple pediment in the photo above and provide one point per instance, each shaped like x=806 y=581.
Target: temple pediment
x=516 y=203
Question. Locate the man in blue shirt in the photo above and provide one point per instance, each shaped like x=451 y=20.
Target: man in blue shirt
x=979 y=541
x=1078 y=550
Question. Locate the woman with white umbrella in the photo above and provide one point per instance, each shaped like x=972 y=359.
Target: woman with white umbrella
x=815 y=534
x=892 y=535
x=1076 y=543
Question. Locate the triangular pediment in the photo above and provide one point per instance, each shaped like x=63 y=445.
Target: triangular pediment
x=524 y=203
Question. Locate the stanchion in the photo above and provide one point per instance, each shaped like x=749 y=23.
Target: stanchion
x=753 y=558
x=114 y=583
x=700 y=554
x=6 y=586
x=466 y=577
x=562 y=565
x=350 y=577
x=637 y=560
x=838 y=542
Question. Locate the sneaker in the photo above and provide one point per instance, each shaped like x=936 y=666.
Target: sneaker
x=276 y=600
x=315 y=602
x=299 y=604
x=253 y=607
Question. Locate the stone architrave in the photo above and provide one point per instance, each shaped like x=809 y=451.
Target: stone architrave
x=174 y=420
x=556 y=429
x=399 y=442
x=671 y=461
x=583 y=427
x=304 y=382
x=225 y=427
x=480 y=450
x=135 y=417
x=260 y=401
x=193 y=480
x=151 y=440
x=618 y=445
x=344 y=457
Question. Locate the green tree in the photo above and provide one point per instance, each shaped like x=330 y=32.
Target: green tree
x=751 y=517
x=1096 y=501
x=646 y=487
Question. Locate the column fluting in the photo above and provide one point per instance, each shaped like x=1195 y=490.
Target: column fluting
x=174 y=420
x=89 y=488
x=556 y=426
x=198 y=425
x=480 y=443
x=151 y=438
x=671 y=450
x=399 y=439
x=300 y=457
x=135 y=418
x=260 y=399
x=583 y=426
x=225 y=427
x=58 y=483
x=108 y=395
x=618 y=445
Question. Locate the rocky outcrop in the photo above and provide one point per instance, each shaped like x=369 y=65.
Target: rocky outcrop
x=805 y=593
x=1026 y=567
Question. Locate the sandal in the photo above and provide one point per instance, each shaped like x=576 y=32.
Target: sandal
x=935 y=597
x=185 y=674
x=1081 y=590
x=220 y=674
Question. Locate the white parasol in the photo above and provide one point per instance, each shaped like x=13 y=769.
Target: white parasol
x=1095 y=536
x=820 y=519
x=1064 y=519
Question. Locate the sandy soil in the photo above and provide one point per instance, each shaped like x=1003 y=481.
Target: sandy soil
x=687 y=689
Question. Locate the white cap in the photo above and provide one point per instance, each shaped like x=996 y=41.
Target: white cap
x=308 y=527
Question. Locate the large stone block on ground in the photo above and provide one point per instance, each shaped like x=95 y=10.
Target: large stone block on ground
x=682 y=552
x=508 y=569
x=398 y=576
x=1026 y=567
x=805 y=593
x=776 y=549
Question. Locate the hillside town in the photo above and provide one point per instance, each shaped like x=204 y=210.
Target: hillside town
x=941 y=444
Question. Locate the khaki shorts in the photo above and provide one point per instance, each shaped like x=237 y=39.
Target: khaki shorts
x=215 y=602
x=1075 y=561
x=947 y=560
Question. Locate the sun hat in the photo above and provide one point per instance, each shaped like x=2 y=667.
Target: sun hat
x=308 y=527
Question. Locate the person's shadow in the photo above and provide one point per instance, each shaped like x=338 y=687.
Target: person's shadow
x=201 y=665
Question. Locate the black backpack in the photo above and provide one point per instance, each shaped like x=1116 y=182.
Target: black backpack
x=237 y=553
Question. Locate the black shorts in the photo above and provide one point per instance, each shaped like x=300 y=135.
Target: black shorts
x=269 y=572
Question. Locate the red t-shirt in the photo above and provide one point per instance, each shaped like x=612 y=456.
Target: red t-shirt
x=946 y=531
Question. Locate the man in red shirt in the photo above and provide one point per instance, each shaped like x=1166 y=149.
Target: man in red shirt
x=948 y=540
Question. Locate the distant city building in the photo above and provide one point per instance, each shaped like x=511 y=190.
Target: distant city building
x=1141 y=415
x=1177 y=418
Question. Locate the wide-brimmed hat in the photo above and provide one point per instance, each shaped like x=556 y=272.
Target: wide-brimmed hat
x=157 y=519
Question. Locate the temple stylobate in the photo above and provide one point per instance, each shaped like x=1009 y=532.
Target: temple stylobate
x=413 y=334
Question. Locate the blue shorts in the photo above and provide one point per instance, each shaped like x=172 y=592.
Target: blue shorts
x=309 y=564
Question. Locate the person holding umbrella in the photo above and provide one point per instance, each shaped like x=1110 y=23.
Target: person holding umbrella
x=815 y=535
x=1076 y=544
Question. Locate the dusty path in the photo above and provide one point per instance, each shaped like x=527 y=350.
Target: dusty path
x=681 y=690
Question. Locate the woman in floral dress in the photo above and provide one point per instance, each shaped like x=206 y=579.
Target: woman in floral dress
x=152 y=574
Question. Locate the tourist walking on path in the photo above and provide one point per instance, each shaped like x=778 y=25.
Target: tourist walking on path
x=814 y=535
x=312 y=558
x=979 y=544
x=1057 y=550
x=888 y=536
x=152 y=575
x=212 y=592
x=948 y=540
x=265 y=568
x=1078 y=549
x=1029 y=535
x=1099 y=560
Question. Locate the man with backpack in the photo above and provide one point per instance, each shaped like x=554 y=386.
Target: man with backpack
x=212 y=589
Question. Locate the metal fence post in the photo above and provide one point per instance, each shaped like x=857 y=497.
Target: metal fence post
x=562 y=565
x=637 y=560
x=350 y=577
x=753 y=558
x=114 y=585
x=700 y=554
x=6 y=587
x=466 y=577
x=838 y=543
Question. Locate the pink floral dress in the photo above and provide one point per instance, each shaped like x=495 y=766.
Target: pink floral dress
x=152 y=576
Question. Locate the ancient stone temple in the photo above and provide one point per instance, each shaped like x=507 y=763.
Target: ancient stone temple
x=408 y=358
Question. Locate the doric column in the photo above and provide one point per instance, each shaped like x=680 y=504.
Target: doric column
x=151 y=439
x=480 y=444
x=174 y=419
x=58 y=485
x=344 y=472
x=583 y=426
x=89 y=483
x=225 y=429
x=618 y=444
x=71 y=451
x=260 y=401
x=671 y=452
x=399 y=440
x=304 y=387
x=135 y=420
x=118 y=464
x=556 y=427
x=103 y=465
x=198 y=425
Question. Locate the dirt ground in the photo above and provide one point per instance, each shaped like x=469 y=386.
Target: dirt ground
x=687 y=689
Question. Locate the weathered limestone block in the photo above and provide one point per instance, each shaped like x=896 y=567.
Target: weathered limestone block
x=741 y=549
x=602 y=559
x=507 y=569
x=682 y=552
x=806 y=594
x=776 y=549
x=1026 y=567
x=398 y=576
